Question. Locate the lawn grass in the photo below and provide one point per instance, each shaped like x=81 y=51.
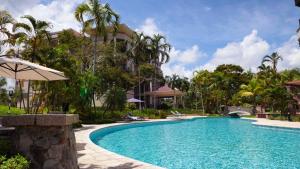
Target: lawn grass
x=250 y=116
x=4 y=111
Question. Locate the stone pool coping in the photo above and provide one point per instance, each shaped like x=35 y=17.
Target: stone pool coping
x=91 y=156
x=274 y=123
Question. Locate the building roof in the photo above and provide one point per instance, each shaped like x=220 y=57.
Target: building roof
x=122 y=28
x=165 y=91
x=293 y=83
x=55 y=34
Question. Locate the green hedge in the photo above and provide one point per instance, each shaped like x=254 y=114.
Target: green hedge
x=295 y=118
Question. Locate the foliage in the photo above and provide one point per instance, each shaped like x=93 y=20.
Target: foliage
x=4 y=110
x=214 y=89
x=115 y=99
x=3 y=92
x=176 y=82
x=109 y=69
x=15 y=162
x=231 y=85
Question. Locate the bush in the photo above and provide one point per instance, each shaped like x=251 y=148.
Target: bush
x=15 y=162
x=284 y=117
x=131 y=106
x=2 y=159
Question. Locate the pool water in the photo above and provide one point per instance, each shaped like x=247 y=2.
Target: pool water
x=212 y=143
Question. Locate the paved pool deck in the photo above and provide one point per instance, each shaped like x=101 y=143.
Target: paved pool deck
x=274 y=123
x=91 y=156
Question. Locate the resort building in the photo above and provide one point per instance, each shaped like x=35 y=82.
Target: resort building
x=124 y=34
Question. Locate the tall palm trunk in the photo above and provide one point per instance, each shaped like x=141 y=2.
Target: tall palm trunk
x=140 y=104
x=94 y=70
x=28 y=87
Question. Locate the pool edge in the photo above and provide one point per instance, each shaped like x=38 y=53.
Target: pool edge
x=95 y=155
x=273 y=123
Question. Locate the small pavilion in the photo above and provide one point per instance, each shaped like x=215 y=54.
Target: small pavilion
x=294 y=87
x=166 y=92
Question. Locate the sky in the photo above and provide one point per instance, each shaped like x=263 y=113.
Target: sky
x=203 y=33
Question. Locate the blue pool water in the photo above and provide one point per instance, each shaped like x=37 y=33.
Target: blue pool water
x=212 y=143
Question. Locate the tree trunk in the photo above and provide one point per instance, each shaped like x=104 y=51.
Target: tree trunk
x=28 y=97
x=140 y=104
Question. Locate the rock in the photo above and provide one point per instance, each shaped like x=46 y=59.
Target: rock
x=55 y=151
x=50 y=164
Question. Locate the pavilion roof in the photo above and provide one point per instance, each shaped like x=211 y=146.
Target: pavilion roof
x=293 y=83
x=165 y=91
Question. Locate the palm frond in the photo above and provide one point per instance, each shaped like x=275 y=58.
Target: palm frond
x=31 y=19
x=19 y=26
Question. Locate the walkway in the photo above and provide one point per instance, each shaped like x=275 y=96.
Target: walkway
x=274 y=123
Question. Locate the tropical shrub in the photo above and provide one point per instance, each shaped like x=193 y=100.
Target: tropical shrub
x=15 y=162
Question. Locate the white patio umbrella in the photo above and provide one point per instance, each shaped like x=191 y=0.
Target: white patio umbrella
x=19 y=69
x=133 y=100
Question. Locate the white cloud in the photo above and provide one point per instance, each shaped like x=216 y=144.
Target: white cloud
x=290 y=53
x=246 y=53
x=59 y=12
x=188 y=56
x=17 y=7
x=182 y=62
x=149 y=27
x=178 y=69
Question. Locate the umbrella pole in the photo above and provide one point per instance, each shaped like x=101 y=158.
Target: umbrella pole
x=28 y=91
x=140 y=104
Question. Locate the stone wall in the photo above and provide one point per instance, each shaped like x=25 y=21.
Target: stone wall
x=48 y=141
x=47 y=147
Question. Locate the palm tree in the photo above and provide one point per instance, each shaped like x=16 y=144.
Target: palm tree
x=95 y=15
x=138 y=52
x=5 y=20
x=273 y=59
x=36 y=32
x=264 y=68
x=159 y=49
x=159 y=53
x=252 y=91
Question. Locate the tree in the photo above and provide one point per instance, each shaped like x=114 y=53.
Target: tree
x=101 y=17
x=175 y=81
x=159 y=49
x=3 y=93
x=36 y=32
x=229 y=78
x=252 y=91
x=273 y=59
x=138 y=52
x=159 y=53
x=5 y=20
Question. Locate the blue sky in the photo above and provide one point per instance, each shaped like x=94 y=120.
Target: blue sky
x=203 y=33
x=212 y=24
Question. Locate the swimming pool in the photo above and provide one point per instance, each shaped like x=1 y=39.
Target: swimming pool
x=204 y=143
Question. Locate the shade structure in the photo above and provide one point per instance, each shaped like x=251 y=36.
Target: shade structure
x=19 y=69
x=165 y=91
x=133 y=100
x=293 y=83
